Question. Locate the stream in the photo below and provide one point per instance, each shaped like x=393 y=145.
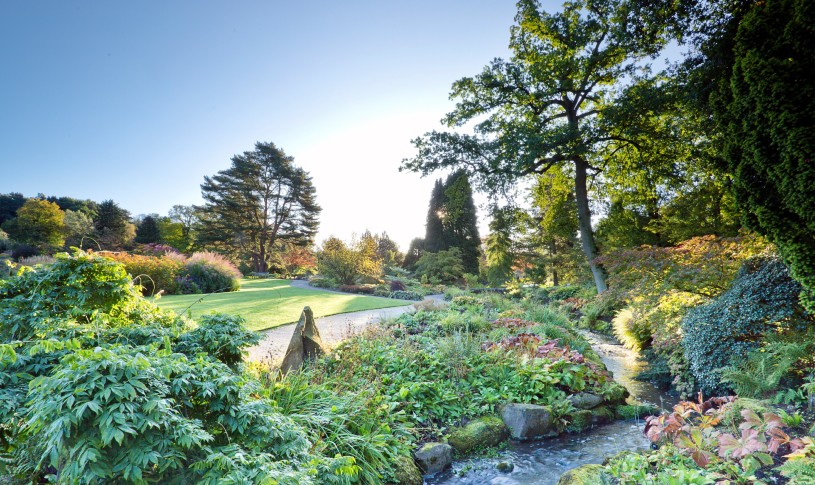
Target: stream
x=542 y=462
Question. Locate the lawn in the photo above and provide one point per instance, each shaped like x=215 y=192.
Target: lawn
x=266 y=303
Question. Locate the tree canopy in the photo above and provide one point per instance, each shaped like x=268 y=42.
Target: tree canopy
x=261 y=199
x=545 y=106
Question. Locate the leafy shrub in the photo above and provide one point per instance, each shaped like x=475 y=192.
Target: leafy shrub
x=406 y=295
x=154 y=274
x=762 y=300
x=212 y=273
x=397 y=285
x=322 y=282
x=221 y=336
x=761 y=372
x=631 y=328
x=90 y=391
x=441 y=267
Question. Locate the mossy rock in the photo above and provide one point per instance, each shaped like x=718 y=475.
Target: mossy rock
x=602 y=415
x=405 y=472
x=579 y=421
x=635 y=411
x=586 y=475
x=478 y=433
x=615 y=394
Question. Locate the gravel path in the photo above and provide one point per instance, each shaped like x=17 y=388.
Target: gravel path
x=333 y=328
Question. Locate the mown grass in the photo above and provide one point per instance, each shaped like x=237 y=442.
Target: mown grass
x=269 y=303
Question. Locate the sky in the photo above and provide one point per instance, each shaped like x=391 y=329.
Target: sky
x=138 y=101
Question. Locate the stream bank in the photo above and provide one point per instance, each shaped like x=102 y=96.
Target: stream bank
x=543 y=462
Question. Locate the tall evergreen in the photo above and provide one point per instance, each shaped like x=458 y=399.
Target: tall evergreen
x=148 y=231
x=434 y=232
x=460 y=224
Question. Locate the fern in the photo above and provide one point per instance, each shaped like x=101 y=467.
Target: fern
x=760 y=374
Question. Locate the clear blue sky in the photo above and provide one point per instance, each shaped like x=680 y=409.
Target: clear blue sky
x=137 y=101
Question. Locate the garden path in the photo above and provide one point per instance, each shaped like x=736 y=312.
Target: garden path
x=333 y=329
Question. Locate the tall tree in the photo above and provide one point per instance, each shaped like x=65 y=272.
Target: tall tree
x=187 y=216
x=765 y=105
x=460 y=224
x=113 y=227
x=434 y=230
x=147 y=231
x=261 y=199
x=39 y=223
x=543 y=107
x=500 y=247
x=9 y=203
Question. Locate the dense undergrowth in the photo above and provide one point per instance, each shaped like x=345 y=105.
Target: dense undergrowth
x=99 y=385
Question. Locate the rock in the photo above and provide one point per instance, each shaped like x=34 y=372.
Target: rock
x=505 y=466
x=585 y=475
x=529 y=421
x=434 y=457
x=305 y=344
x=635 y=411
x=812 y=431
x=601 y=415
x=406 y=472
x=579 y=421
x=585 y=400
x=481 y=432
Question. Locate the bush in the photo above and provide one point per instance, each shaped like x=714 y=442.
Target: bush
x=762 y=300
x=221 y=336
x=321 y=282
x=19 y=251
x=406 y=295
x=212 y=273
x=397 y=285
x=631 y=327
x=359 y=289
x=441 y=267
x=154 y=274
x=35 y=260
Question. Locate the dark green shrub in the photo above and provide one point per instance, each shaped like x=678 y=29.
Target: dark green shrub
x=397 y=285
x=221 y=336
x=20 y=250
x=359 y=289
x=762 y=300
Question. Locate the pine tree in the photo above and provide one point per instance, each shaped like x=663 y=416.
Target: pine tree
x=460 y=223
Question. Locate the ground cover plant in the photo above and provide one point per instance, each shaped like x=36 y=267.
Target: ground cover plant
x=268 y=303
x=440 y=367
x=723 y=440
x=99 y=385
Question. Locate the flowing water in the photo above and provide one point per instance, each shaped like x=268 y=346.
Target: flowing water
x=543 y=462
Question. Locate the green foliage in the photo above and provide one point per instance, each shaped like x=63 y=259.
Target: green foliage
x=147 y=231
x=114 y=230
x=262 y=198
x=406 y=295
x=763 y=369
x=39 y=223
x=764 y=102
x=347 y=263
x=91 y=391
x=632 y=329
x=763 y=300
x=153 y=274
x=441 y=267
x=221 y=336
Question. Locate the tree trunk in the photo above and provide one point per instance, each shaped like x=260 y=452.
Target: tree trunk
x=584 y=223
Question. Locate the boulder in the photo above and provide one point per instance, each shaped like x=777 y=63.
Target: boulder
x=585 y=400
x=406 y=472
x=305 y=343
x=529 y=421
x=579 y=421
x=434 y=457
x=480 y=432
x=602 y=415
x=585 y=475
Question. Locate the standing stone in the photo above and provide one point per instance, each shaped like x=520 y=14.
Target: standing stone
x=305 y=344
